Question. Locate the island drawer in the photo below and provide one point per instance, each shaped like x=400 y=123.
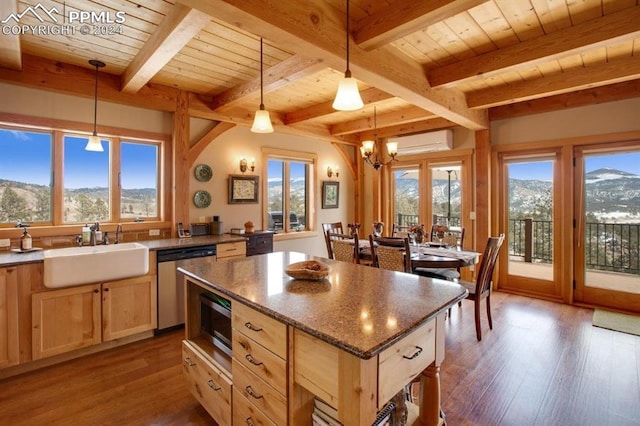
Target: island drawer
x=269 y=332
x=231 y=249
x=245 y=413
x=265 y=398
x=400 y=363
x=260 y=361
x=207 y=384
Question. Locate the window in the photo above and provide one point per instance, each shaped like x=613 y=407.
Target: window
x=406 y=206
x=25 y=176
x=120 y=184
x=289 y=195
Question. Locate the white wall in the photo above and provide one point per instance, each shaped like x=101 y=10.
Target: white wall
x=223 y=155
x=41 y=103
x=611 y=117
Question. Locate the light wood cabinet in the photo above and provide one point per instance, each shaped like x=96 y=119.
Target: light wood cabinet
x=64 y=320
x=76 y=317
x=260 y=363
x=9 y=341
x=128 y=307
x=229 y=250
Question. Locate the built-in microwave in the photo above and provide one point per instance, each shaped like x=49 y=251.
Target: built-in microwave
x=215 y=320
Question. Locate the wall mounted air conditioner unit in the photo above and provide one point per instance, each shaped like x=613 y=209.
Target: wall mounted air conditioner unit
x=442 y=140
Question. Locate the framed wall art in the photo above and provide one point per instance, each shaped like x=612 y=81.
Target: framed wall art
x=330 y=194
x=243 y=189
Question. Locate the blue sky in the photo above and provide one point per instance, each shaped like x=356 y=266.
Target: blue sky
x=26 y=157
x=542 y=170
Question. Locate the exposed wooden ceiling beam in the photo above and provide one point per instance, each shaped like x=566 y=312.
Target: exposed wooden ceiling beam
x=277 y=76
x=591 y=96
x=196 y=149
x=10 y=51
x=409 y=128
x=404 y=18
x=175 y=31
x=369 y=96
x=403 y=116
x=50 y=75
x=317 y=30
x=613 y=28
x=576 y=79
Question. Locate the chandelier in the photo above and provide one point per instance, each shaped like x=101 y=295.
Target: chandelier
x=369 y=146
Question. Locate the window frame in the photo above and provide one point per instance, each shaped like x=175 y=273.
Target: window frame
x=311 y=196
x=59 y=129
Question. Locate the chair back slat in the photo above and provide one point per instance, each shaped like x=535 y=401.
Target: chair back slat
x=488 y=263
x=344 y=247
x=335 y=227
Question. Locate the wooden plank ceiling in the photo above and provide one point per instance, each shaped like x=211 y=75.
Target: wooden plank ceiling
x=423 y=64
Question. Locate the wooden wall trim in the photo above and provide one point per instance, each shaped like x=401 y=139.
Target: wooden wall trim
x=484 y=222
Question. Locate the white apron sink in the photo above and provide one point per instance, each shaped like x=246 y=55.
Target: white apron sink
x=85 y=265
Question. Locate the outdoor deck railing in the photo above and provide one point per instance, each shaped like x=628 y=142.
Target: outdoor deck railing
x=608 y=246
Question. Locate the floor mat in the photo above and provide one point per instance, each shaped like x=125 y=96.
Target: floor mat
x=616 y=321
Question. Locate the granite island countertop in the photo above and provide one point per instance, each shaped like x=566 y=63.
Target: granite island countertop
x=11 y=258
x=360 y=309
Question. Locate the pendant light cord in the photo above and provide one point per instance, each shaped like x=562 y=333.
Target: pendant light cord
x=95 y=104
x=347 y=73
x=261 y=95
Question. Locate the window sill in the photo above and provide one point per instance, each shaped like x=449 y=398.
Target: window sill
x=294 y=235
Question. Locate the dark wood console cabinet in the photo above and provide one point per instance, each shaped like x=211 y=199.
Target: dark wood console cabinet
x=259 y=242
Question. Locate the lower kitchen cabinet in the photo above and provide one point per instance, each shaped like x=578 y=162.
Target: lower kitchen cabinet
x=128 y=307
x=64 y=320
x=76 y=317
x=9 y=341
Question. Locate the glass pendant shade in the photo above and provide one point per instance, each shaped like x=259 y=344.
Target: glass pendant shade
x=94 y=144
x=348 y=97
x=262 y=122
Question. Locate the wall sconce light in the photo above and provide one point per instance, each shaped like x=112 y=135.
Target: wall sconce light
x=331 y=171
x=244 y=166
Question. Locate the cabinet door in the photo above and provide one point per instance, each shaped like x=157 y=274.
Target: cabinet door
x=128 y=307
x=65 y=320
x=9 y=349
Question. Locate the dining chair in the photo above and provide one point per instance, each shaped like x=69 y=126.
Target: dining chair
x=391 y=253
x=399 y=231
x=343 y=247
x=481 y=288
x=331 y=227
x=451 y=238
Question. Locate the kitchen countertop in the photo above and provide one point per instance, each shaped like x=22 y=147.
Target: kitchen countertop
x=360 y=309
x=12 y=259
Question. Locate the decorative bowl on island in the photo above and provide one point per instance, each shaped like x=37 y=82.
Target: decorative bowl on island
x=308 y=270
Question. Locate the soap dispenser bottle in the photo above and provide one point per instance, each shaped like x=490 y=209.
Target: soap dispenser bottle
x=86 y=234
x=25 y=240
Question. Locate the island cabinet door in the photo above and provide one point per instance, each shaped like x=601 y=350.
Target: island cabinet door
x=128 y=307
x=65 y=320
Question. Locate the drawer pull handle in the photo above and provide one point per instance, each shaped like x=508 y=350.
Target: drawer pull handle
x=252 y=360
x=188 y=362
x=251 y=393
x=213 y=385
x=248 y=421
x=251 y=326
x=419 y=350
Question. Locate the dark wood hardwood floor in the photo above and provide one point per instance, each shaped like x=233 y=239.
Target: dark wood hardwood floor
x=542 y=364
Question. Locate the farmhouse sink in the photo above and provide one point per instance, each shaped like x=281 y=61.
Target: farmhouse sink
x=84 y=265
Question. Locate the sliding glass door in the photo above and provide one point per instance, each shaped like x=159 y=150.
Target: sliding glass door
x=607 y=240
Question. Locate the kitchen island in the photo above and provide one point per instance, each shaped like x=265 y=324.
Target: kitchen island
x=353 y=340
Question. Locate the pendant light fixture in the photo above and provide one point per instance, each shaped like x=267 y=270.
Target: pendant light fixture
x=262 y=120
x=348 y=97
x=94 y=143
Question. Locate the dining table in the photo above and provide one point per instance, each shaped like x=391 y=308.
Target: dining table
x=430 y=255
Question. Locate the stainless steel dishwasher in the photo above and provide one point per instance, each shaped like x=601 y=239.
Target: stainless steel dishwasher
x=170 y=286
